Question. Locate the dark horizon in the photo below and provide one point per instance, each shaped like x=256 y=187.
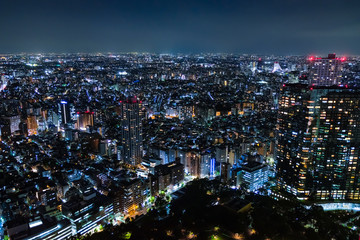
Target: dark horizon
x=321 y=55
x=279 y=27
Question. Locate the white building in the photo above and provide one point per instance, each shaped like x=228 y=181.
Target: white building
x=254 y=174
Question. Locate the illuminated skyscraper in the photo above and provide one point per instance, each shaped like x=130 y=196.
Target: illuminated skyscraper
x=319 y=142
x=84 y=119
x=65 y=112
x=326 y=71
x=131 y=139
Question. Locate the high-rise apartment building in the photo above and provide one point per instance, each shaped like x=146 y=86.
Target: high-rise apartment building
x=318 y=144
x=326 y=71
x=129 y=197
x=131 y=139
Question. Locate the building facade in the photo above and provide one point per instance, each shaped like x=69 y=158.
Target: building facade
x=131 y=139
x=318 y=142
x=326 y=71
x=254 y=174
x=129 y=197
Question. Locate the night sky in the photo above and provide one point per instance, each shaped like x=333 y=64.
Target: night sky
x=171 y=26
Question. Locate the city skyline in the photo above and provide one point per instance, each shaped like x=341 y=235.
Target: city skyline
x=179 y=119
x=92 y=143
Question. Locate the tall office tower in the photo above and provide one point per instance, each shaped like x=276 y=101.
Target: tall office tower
x=318 y=144
x=84 y=119
x=326 y=71
x=260 y=64
x=131 y=139
x=65 y=112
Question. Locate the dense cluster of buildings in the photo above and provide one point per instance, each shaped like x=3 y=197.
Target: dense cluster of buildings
x=318 y=137
x=88 y=140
